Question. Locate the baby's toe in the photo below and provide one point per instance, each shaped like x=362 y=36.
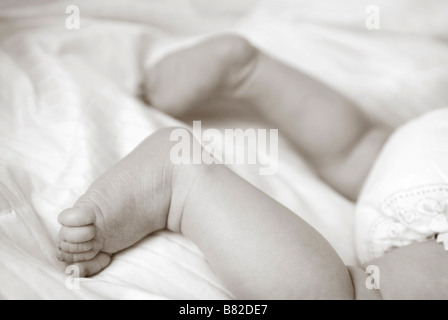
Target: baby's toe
x=77 y=235
x=76 y=217
x=75 y=257
x=69 y=247
x=94 y=266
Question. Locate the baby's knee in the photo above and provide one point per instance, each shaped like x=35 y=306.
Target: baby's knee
x=171 y=137
x=178 y=144
x=235 y=47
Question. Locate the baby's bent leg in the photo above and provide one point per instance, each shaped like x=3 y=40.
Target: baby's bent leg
x=260 y=249
x=328 y=129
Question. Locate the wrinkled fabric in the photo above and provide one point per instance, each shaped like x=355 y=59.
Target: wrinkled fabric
x=71 y=106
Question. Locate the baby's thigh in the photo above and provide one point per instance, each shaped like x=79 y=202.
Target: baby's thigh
x=405 y=198
x=414 y=272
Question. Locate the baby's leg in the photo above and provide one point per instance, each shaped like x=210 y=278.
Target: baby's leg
x=256 y=246
x=331 y=132
x=259 y=248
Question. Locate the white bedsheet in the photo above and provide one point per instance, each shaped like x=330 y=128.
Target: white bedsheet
x=70 y=108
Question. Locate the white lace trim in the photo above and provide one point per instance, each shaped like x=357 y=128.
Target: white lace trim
x=410 y=216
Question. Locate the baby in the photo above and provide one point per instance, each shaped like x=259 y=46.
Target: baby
x=256 y=246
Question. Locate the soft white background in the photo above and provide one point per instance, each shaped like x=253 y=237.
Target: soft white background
x=70 y=107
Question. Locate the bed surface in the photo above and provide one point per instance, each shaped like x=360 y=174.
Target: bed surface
x=71 y=107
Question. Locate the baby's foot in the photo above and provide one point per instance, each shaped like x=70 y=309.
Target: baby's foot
x=216 y=68
x=131 y=201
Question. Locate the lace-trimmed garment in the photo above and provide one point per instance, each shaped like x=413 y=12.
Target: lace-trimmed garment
x=405 y=199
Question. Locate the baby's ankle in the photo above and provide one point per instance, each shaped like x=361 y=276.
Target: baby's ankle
x=184 y=171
